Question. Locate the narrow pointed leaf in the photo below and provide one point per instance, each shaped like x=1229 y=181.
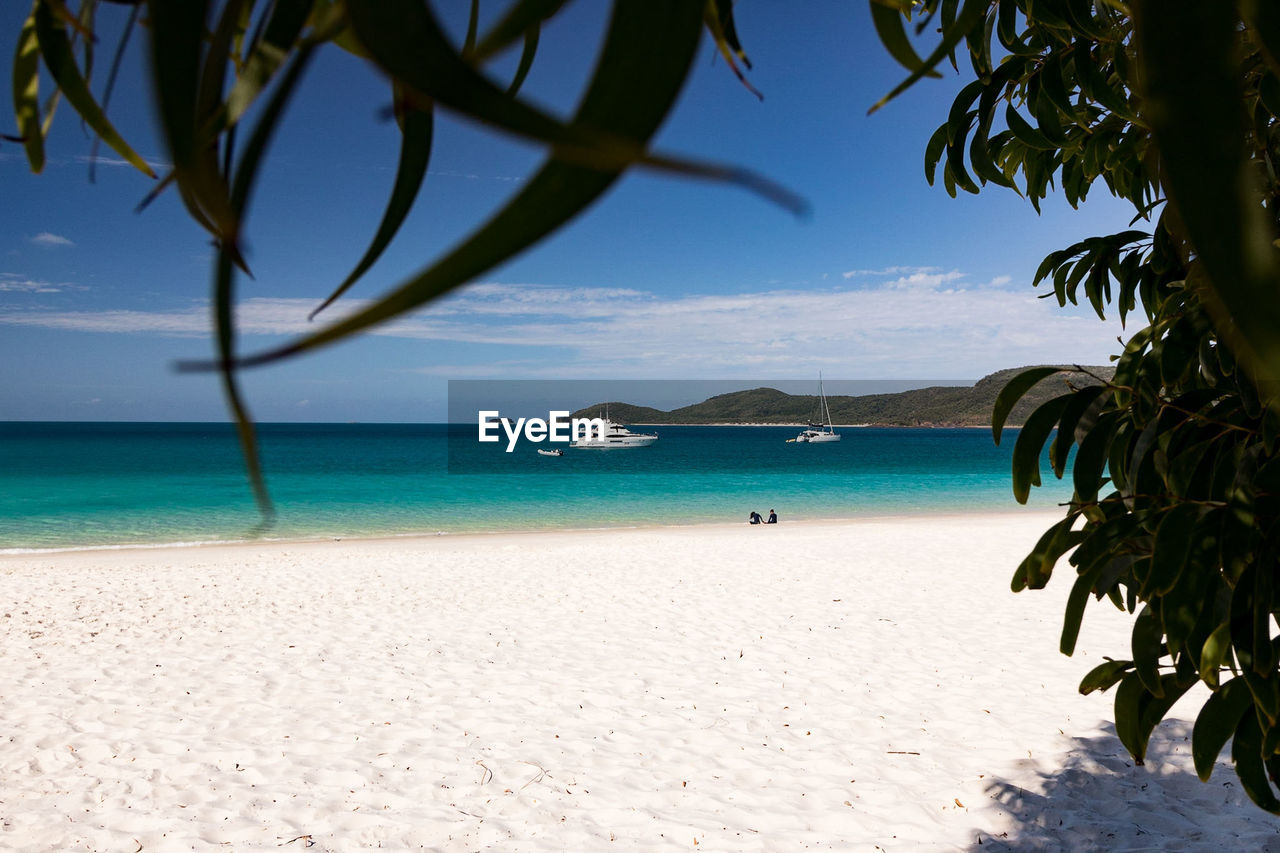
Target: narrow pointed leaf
x=619 y=100
x=415 y=153
x=55 y=50
x=26 y=93
x=515 y=23
x=1074 y=615
x=279 y=36
x=224 y=283
x=526 y=59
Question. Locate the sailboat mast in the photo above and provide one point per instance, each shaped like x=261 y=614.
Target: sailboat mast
x=826 y=410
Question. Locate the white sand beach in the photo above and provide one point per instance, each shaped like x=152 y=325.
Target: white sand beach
x=854 y=685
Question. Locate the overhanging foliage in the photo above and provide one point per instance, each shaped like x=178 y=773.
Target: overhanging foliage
x=1171 y=106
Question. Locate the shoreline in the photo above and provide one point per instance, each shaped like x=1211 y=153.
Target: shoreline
x=834 y=426
x=1050 y=515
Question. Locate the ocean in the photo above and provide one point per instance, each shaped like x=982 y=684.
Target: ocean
x=79 y=485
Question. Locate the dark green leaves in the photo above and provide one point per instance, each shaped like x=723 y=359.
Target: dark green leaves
x=26 y=92
x=970 y=17
x=415 y=151
x=55 y=50
x=627 y=99
x=1139 y=710
x=888 y=23
x=1014 y=391
x=1251 y=767
x=1030 y=444
x=1195 y=113
x=1180 y=97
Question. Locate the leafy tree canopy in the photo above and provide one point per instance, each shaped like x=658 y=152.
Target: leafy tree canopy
x=1172 y=106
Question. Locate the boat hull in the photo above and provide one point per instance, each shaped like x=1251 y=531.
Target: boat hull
x=631 y=441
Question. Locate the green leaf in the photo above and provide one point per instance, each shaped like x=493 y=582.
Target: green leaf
x=1089 y=398
x=1138 y=711
x=515 y=23
x=526 y=59
x=1034 y=571
x=1014 y=390
x=1246 y=752
x=473 y=28
x=1025 y=132
x=1074 y=615
x=1104 y=676
x=56 y=51
x=404 y=39
x=1213 y=656
x=224 y=281
x=1173 y=543
x=1030 y=443
x=971 y=16
x=888 y=24
x=178 y=32
x=415 y=152
x=26 y=92
x=1196 y=110
x=1263 y=19
x=1147 y=642
x=933 y=152
x=279 y=37
x=1091 y=458
x=1053 y=84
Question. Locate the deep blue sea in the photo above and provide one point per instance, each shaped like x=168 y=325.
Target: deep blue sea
x=73 y=485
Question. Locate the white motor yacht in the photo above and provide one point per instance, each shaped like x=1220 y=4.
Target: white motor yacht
x=616 y=436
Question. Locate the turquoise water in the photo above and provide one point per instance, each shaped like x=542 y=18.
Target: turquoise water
x=68 y=485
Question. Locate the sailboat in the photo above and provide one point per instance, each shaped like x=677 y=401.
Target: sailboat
x=816 y=433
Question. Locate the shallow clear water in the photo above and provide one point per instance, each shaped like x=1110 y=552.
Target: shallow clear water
x=90 y=484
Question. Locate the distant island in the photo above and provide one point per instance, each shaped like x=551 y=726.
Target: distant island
x=936 y=406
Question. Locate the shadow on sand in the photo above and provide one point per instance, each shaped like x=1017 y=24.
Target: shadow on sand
x=1096 y=799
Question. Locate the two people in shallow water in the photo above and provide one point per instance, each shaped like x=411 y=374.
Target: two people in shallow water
x=755 y=518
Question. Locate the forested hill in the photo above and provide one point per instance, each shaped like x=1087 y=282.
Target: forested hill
x=939 y=406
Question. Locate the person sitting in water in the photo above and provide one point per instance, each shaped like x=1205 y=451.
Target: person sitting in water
x=755 y=518
x=773 y=518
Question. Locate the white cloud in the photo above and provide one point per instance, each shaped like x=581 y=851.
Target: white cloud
x=474 y=177
x=13 y=283
x=918 y=324
x=890 y=271
x=48 y=239
x=156 y=164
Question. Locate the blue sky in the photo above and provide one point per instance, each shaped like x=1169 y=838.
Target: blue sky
x=663 y=278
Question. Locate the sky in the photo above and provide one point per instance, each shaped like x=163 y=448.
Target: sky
x=663 y=278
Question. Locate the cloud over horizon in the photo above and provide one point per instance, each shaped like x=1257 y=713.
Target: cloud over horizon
x=911 y=323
